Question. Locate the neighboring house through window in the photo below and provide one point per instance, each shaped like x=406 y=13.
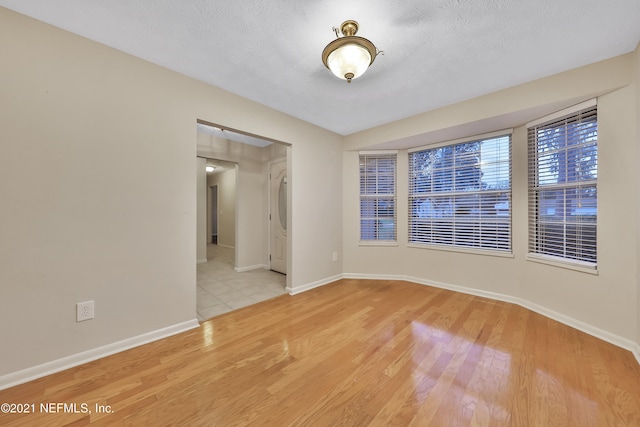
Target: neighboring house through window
x=378 y=197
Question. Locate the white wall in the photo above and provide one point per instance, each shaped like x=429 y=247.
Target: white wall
x=319 y=237
x=251 y=215
x=607 y=303
x=226 y=182
x=115 y=219
x=201 y=210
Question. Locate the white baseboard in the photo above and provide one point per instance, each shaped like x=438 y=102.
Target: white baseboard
x=614 y=339
x=54 y=366
x=201 y=261
x=29 y=374
x=312 y=285
x=636 y=352
x=251 y=267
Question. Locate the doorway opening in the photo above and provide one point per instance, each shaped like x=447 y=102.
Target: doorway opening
x=238 y=272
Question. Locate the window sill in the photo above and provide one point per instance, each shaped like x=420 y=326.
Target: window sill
x=377 y=243
x=500 y=254
x=586 y=268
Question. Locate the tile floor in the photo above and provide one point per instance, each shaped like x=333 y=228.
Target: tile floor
x=222 y=289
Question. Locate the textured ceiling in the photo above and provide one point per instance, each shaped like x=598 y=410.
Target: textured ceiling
x=436 y=52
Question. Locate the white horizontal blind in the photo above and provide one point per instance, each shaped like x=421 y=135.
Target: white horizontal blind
x=378 y=197
x=460 y=195
x=563 y=175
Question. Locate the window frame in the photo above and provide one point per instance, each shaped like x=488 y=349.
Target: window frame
x=377 y=196
x=580 y=113
x=481 y=248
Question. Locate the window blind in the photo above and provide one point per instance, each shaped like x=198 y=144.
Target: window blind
x=563 y=175
x=460 y=195
x=378 y=196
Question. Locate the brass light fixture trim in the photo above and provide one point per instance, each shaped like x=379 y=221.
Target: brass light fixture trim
x=349 y=29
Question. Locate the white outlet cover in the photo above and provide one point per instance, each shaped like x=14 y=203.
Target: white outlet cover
x=84 y=311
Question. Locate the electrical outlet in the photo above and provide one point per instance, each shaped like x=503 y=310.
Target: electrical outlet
x=335 y=256
x=84 y=311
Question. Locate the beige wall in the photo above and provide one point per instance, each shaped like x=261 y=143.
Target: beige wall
x=605 y=304
x=506 y=108
x=201 y=210
x=226 y=182
x=252 y=213
x=115 y=219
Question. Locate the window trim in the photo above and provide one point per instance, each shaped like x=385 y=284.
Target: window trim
x=557 y=261
x=483 y=136
x=564 y=112
x=561 y=262
x=463 y=250
x=389 y=243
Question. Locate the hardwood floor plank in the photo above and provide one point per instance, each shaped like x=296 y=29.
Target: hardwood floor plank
x=356 y=353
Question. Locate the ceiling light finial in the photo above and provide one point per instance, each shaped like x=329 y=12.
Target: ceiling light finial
x=348 y=57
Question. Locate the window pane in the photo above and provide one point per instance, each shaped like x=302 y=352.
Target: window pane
x=368 y=229
x=459 y=195
x=563 y=170
x=377 y=197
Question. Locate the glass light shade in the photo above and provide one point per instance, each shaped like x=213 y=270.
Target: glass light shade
x=350 y=58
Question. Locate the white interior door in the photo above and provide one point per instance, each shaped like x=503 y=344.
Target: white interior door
x=278 y=217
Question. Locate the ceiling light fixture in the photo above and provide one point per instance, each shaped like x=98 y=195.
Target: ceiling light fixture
x=348 y=57
x=209 y=168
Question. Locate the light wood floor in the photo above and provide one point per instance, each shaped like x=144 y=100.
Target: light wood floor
x=355 y=353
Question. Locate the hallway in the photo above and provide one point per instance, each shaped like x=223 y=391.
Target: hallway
x=221 y=289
